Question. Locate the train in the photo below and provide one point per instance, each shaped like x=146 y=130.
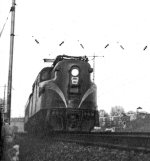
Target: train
x=63 y=98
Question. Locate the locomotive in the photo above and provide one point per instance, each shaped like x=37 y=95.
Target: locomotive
x=63 y=97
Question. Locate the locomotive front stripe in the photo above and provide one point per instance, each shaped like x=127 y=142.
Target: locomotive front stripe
x=92 y=89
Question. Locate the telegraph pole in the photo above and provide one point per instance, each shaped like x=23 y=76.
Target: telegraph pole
x=10 y=60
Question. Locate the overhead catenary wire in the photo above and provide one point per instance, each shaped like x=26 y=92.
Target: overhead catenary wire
x=106 y=46
x=5 y=23
x=122 y=47
x=61 y=43
x=145 y=48
x=36 y=40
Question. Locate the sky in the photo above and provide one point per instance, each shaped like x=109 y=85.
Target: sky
x=122 y=75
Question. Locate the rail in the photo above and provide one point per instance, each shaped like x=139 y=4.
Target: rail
x=120 y=140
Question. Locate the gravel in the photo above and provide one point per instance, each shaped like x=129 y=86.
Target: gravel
x=35 y=149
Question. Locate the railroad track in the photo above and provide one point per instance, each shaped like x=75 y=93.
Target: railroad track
x=56 y=146
x=120 y=140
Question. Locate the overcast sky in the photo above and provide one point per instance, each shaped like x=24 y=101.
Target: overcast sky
x=122 y=75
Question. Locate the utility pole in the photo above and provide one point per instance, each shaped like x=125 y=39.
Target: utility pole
x=94 y=67
x=10 y=61
x=94 y=56
x=4 y=103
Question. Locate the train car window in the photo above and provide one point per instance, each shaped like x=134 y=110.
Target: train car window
x=45 y=75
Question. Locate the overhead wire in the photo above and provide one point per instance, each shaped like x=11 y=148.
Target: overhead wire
x=5 y=23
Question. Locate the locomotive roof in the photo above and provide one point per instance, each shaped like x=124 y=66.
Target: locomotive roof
x=66 y=57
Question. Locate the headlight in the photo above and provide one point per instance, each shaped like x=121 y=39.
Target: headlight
x=75 y=72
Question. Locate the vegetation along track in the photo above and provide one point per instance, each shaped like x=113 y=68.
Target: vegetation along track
x=120 y=140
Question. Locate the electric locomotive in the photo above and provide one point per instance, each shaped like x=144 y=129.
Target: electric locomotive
x=63 y=97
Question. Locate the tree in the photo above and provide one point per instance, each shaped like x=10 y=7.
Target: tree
x=138 y=109
x=117 y=111
x=103 y=113
x=1 y=101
